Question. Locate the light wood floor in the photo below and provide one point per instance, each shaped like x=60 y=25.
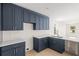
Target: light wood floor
x=46 y=52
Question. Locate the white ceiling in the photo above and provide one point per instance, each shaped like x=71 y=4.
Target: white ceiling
x=58 y=11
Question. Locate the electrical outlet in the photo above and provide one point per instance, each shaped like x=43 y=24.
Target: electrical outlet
x=27 y=48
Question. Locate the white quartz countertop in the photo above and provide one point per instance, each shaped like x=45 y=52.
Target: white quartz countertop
x=5 y=43
x=42 y=36
x=75 y=39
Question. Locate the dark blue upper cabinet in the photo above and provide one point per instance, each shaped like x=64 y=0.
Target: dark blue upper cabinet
x=32 y=17
x=12 y=17
x=41 y=23
x=26 y=16
x=29 y=16
x=8 y=16
x=0 y=16
x=18 y=18
x=46 y=23
x=37 y=24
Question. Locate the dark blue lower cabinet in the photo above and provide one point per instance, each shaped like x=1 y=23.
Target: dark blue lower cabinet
x=9 y=52
x=57 y=44
x=17 y=49
x=35 y=44
x=39 y=44
x=49 y=42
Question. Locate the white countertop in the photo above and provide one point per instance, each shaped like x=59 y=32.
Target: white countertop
x=75 y=39
x=5 y=43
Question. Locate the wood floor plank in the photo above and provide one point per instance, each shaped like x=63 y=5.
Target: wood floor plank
x=46 y=52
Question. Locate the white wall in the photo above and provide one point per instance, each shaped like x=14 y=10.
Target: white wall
x=64 y=29
x=61 y=29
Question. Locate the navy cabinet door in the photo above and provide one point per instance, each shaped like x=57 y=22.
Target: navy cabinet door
x=8 y=16
x=44 y=23
x=35 y=44
x=37 y=24
x=41 y=44
x=12 y=17
x=20 y=51
x=26 y=16
x=32 y=17
x=45 y=42
x=9 y=52
x=61 y=45
x=57 y=44
x=0 y=16
x=18 y=18
x=41 y=23
x=50 y=43
x=47 y=23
